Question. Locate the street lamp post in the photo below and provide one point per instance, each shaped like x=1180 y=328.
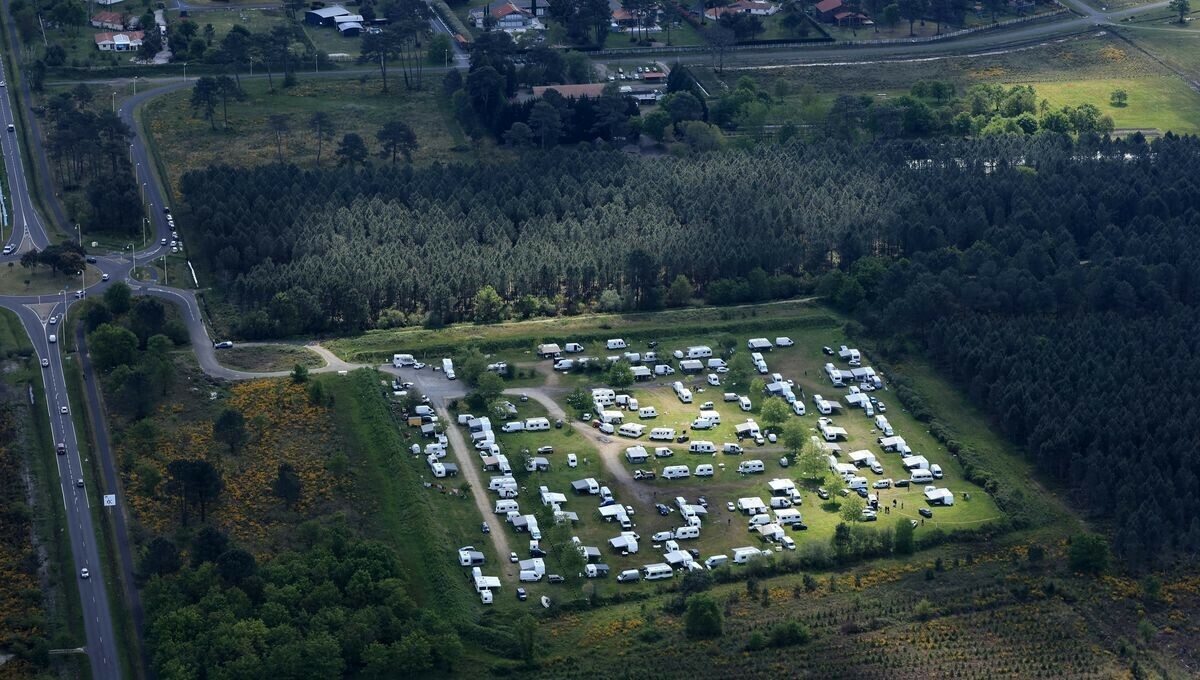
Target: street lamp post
x=185 y=71
x=135 y=86
x=114 y=102
x=83 y=272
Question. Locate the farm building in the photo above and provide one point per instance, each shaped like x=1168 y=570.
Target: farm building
x=325 y=16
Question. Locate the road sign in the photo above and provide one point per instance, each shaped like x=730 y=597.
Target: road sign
x=110 y=500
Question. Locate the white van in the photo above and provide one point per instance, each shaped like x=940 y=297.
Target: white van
x=761 y=519
x=921 y=476
x=564 y=364
x=573 y=347
x=731 y=448
x=714 y=561
x=936 y=471
x=615 y=343
x=662 y=434
x=685 y=532
x=701 y=446
x=744 y=402
x=399 y=360
x=629 y=575
x=702 y=423
x=647 y=412
x=714 y=380
x=751 y=466
x=515 y=426
x=676 y=472
x=529 y=576
x=798 y=407
x=572 y=461
x=607 y=428
x=632 y=430
x=779 y=502
x=654 y=572
x=717 y=363
x=663 y=452
x=856 y=483
x=704 y=470
x=632 y=404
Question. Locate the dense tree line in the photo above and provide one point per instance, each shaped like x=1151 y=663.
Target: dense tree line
x=337 y=608
x=88 y=146
x=303 y=251
x=1061 y=295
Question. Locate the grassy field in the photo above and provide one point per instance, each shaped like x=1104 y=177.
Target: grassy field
x=1069 y=73
x=519 y=339
x=253 y=20
x=1159 y=34
x=190 y=143
x=269 y=358
x=17 y=280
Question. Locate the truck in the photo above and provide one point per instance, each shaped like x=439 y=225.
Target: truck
x=401 y=360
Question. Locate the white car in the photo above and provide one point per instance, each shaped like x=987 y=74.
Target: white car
x=418 y=366
x=224 y=344
x=53 y=319
x=45 y=363
x=9 y=248
x=104 y=277
x=572 y=461
x=163 y=242
x=63 y=410
x=83 y=573
x=882 y=484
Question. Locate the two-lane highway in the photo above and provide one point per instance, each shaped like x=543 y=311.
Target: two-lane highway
x=26 y=225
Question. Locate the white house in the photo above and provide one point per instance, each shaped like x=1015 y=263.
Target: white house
x=119 y=42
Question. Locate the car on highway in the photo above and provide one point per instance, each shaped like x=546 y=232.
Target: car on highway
x=53 y=338
x=61 y=449
x=83 y=573
x=167 y=209
x=3 y=84
x=104 y=277
x=53 y=319
x=63 y=410
x=162 y=242
x=90 y=259
x=224 y=344
x=45 y=363
x=9 y=248
x=79 y=483
x=79 y=294
x=12 y=128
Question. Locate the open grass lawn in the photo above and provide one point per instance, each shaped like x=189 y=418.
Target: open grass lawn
x=40 y=280
x=1177 y=45
x=523 y=337
x=327 y=39
x=1069 y=73
x=253 y=20
x=1161 y=102
x=185 y=142
x=269 y=358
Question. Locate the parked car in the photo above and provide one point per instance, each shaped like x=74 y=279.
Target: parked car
x=901 y=483
x=882 y=484
x=729 y=506
x=822 y=493
x=522 y=595
x=681 y=439
x=827 y=350
x=512 y=557
x=662 y=509
x=925 y=512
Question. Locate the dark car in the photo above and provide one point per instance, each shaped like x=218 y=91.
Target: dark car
x=682 y=438
x=901 y=482
x=485 y=528
x=522 y=595
x=652 y=344
x=702 y=501
x=861 y=492
x=558 y=424
x=925 y=512
x=662 y=509
x=694 y=553
x=537 y=552
x=62 y=449
x=800 y=527
x=90 y=260
x=827 y=350
x=555 y=578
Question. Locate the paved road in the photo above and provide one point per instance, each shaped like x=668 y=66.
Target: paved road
x=30 y=232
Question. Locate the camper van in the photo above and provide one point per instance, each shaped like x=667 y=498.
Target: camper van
x=702 y=423
x=629 y=575
x=663 y=452
x=730 y=396
x=448 y=368
x=655 y=572
x=714 y=561
x=497 y=483
x=856 y=483
x=751 y=466
x=921 y=476
x=647 y=412
x=702 y=447
x=704 y=470
x=400 y=360
x=676 y=472
x=662 y=434
x=744 y=402
x=714 y=380
x=564 y=364
x=699 y=352
x=632 y=430
x=732 y=449
x=663 y=369
x=505 y=506
x=615 y=343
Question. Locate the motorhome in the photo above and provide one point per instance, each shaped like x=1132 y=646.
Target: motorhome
x=704 y=470
x=647 y=412
x=402 y=360
x=744 y=555
x=448 y=368
x=537 y=424
x=700 y=446
x=615 y=343
x=751 y=467
x=698 y=352
x=662 y=434
x=655 y=572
